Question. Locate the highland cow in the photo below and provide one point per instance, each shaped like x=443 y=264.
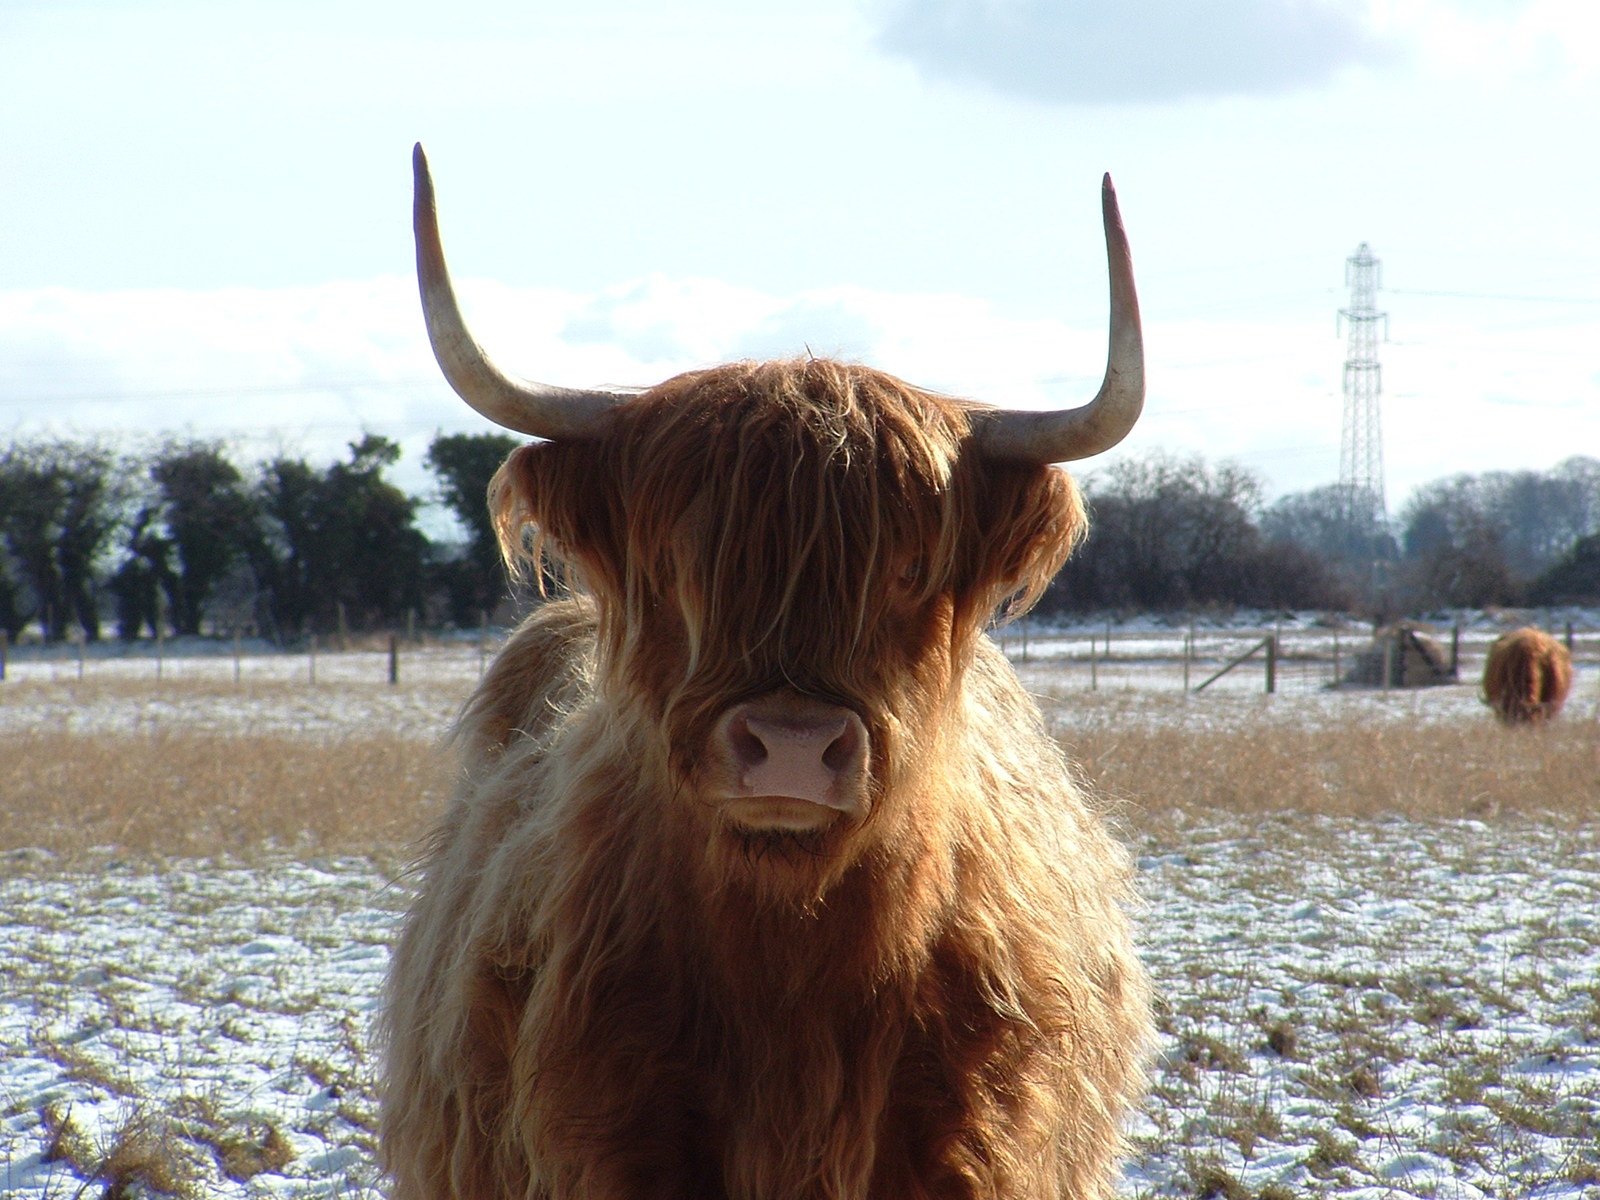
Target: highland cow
x=763 y=880
x=1527 y=677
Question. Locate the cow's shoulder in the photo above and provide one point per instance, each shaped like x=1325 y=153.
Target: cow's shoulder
x=542 y=673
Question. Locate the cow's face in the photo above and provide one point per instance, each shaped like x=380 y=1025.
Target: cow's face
x=792 y=562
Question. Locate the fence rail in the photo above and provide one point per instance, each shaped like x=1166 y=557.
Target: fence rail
x=1193 y=660
x=380 y=658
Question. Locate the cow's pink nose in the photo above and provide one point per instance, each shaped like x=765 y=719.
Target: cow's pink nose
x=812 y=751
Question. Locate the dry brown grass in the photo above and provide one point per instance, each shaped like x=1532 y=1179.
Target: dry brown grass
x=171 y=788
x=1469 y=768
x=202 y=794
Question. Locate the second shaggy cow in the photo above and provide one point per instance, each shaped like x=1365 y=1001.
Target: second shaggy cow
x=1527 y=677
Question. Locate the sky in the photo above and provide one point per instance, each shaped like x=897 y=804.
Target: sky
x=206 y=211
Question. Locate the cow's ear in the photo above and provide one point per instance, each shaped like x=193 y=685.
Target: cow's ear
x=1028 y=520
x=550 y=504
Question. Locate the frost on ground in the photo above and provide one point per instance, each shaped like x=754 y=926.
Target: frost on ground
x=201 y=1030
x=1399 y=1010
x=1393 y=1010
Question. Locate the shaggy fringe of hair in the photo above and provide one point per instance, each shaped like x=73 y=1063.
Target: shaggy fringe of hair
x=724 y=542
x=1527 y=677
x=739 y=431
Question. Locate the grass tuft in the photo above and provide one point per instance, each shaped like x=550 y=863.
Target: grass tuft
x=255 y=1149
x=141 y=1157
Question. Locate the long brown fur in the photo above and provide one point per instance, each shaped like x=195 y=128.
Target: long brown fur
x=1526 y=677
x=604 y=991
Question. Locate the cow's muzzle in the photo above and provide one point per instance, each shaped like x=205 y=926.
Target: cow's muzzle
x=786 y=761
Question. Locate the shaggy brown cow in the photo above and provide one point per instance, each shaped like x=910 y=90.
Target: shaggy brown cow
x=1527 y=677
x=763 y=880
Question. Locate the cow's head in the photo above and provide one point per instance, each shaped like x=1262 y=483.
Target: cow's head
x=792 y=560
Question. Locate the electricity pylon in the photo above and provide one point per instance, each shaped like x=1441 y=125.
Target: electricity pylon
x=1361 y=447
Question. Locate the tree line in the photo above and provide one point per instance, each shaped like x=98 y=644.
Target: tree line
x=183 y=539
x=1171 y=533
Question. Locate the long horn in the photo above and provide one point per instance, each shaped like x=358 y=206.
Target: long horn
x=540 y=409
x=1016 y=435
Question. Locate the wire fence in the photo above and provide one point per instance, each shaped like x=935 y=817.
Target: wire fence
x=376 y=659
x=1193 y=659
x=1268 y=660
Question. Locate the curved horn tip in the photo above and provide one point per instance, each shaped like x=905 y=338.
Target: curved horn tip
x=1108 y=199
x=1067 y=435
x=539 y=409
x=419 y=169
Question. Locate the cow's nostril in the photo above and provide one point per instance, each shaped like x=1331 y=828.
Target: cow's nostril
x=844 y=749
x=748 y=749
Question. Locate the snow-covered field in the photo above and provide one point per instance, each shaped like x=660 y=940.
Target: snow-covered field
x=1389 y=1009
x=213 y=1020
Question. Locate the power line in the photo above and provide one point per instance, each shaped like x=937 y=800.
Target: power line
x=224 y=391
x=1515 y=299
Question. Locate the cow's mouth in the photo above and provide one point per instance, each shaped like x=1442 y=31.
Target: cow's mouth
x=774 y=846
x=778 y=814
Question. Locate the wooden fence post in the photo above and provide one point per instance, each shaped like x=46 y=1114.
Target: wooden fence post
x=1272 y=664
x=394 y=659
x=313 y=659
x=1264 y=644
x=1188 y=655
x=161 y=630
x=1094 y=664
x=5 y=641
x=1455 y=650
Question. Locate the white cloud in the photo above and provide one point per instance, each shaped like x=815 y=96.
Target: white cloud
x=1114 y=51
x=1109 y=51
x=310 y=369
